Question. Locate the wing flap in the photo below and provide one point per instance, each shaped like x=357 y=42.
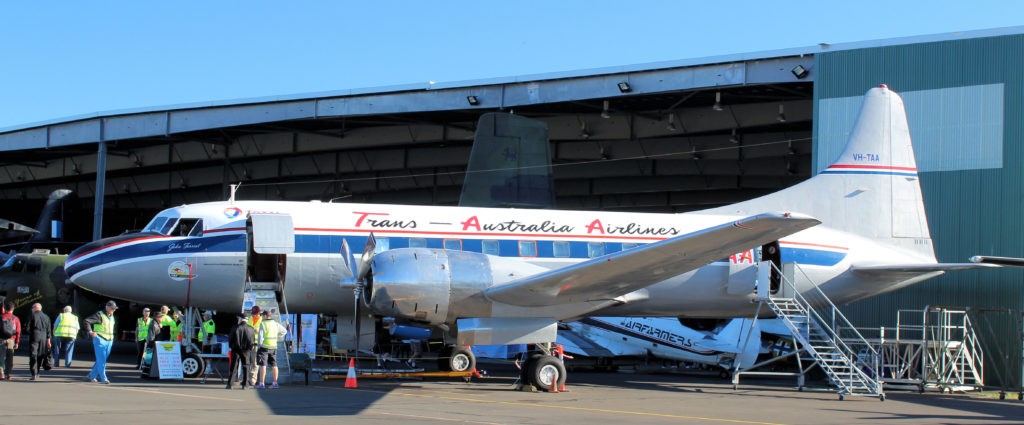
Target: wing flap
x=623 y=272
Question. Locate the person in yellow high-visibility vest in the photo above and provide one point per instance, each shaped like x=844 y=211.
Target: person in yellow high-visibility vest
x=270 y=332
x=142 y=334
x=254 y=320
x=209 y=328
x=175 y=325
x=65 y=330
x=101 y=329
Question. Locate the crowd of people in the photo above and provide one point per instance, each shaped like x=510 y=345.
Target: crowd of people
x=253 y=340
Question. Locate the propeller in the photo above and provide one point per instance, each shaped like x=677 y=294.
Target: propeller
x=359 y=279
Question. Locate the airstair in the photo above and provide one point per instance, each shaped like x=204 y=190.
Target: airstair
x=822 y=336
x=270 y=239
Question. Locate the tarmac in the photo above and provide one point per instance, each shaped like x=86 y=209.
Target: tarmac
x=63 y=396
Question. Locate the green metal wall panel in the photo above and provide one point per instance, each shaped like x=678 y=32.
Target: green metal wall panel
x=971 y=210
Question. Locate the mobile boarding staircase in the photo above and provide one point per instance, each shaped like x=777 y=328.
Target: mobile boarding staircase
x=822 y=336
x=270 y=239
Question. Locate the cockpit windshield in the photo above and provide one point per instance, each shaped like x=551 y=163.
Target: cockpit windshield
x=155 y=225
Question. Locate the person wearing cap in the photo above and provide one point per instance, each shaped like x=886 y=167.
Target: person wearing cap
x=142 y=334
x=255 y=318
x=101 y=329
x=269 y=333
x=208 y=329
x=65 y=330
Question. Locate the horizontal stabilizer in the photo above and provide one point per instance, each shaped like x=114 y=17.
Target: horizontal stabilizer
x=897 y=269
x=1002 y=261
x=620 y=273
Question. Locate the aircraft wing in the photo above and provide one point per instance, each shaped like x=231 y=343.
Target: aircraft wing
x=620 y=273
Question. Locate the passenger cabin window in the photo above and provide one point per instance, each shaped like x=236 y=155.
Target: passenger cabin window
x=383 y=244
x=595 y=249
x=527 y=248
x=490 y=247
x=561 y=248
x=417 y=243
x=626 y=246
x=453 y=244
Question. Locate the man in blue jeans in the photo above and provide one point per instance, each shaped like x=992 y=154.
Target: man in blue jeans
x=101 y=329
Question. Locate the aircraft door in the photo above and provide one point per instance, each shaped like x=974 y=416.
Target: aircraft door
x=742 y=273
x=772 y=252
x=270 y=238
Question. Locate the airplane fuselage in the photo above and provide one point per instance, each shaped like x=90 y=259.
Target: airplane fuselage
x=207 y=266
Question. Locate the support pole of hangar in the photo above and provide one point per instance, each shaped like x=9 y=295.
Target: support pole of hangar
x=101 y=183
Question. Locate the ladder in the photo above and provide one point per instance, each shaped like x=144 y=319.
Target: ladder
x=265 y=295
x=825 y=343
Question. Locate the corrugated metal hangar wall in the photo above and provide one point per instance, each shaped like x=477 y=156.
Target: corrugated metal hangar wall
x=964 y=102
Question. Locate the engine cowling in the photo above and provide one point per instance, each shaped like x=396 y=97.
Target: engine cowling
x=422 y=284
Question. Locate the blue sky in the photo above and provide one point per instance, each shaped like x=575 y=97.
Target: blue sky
x=60 y=59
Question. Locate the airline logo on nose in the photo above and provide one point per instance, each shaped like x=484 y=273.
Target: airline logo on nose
x=232 y=212
x=178 y=270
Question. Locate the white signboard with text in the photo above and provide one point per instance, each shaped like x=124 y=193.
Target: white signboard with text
x=167 y=359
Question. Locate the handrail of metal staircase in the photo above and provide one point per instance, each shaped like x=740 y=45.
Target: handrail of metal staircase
x=837 y=339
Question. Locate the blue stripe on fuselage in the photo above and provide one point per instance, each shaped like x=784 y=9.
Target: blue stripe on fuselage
x=331 y=244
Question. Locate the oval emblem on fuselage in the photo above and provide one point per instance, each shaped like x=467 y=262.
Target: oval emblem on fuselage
x=178 y=270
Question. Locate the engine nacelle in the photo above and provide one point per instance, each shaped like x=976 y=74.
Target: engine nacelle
x=431 y=286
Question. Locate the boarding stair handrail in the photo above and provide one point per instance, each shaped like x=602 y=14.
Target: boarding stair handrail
x=851 y=381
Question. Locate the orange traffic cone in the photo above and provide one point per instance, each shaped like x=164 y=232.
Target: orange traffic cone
x=350 y=380
x=554 y=385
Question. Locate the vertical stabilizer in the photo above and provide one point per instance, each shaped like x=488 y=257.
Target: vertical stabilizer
x=872 y=189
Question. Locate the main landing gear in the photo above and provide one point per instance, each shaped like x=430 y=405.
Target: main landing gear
x=543 y=371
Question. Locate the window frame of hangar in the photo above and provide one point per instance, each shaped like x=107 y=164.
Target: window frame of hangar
x=444 y=244
x=490 y=247
x=529 y=243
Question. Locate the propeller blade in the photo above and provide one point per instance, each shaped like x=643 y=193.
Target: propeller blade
x=364 y=262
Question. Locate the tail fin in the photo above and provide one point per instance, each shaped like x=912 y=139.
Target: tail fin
x=871 y=190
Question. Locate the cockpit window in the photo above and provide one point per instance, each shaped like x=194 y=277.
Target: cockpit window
x=166 y=230
x=155 y=225
x=189 y=227
x=34 y=265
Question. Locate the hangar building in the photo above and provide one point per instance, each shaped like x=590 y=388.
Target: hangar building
x=671 y=136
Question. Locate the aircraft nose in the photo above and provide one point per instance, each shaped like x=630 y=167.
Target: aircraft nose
x=87 y=265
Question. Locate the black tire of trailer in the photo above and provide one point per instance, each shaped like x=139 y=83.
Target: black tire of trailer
x=192 y=366
x=456 y=359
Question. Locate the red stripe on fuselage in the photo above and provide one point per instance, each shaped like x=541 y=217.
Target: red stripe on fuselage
x=113 y=244
x=874 y=167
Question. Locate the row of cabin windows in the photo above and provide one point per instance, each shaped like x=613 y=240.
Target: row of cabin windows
x=491 y=247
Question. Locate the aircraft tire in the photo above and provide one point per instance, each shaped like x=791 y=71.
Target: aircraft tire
x=461 y=360
x=546 y=369
x=192 y=366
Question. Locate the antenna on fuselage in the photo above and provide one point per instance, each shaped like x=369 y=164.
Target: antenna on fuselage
x=234 y=187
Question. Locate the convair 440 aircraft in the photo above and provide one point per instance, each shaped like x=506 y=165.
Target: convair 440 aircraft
x=506 y=276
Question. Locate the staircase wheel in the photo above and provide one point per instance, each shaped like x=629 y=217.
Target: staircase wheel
x=840 y=397
x=881 y=397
